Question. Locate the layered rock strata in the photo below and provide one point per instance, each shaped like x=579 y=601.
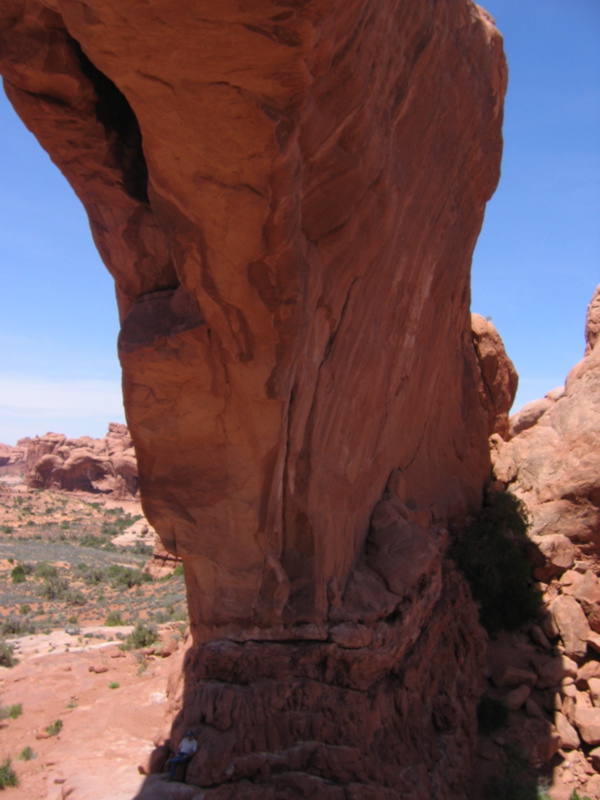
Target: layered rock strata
x=288 y=195
x=378 y=705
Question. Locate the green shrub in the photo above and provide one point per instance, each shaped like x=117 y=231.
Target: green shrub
x=92 y=575
x=25 y=609
x=6 y=528
x=142 y=549
x=143 y=635
x=54 y=588
x=8 y=777
x=18 y=575
x=45 y=570
x=178 y=571
x=75 y=598
x=20 y=572
x=7 y=658
x=15 y=626
x=113 y=619
x=114 y=685
x=11 y=712
x=98 y=542
x=126 y=577
x=490 y=553
x=55 y=728
x=27 y=754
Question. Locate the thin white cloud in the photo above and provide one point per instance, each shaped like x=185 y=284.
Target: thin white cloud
x=31 y=406
x=66 y=398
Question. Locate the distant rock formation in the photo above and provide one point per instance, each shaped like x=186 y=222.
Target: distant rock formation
x=107 y=466
x=552 y=462
x=288 y=195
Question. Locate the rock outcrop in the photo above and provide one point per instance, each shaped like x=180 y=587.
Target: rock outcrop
x=548 y=673
x=289 y=212
x=288 y=195
x=499 y=379
x=552 y=463
x=107 y=466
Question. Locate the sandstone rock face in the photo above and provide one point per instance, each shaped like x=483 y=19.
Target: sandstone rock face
x=288 y=195
x=289 y=212
x=52 y=461
x=592 y=322
x=553 y=464
x=308 y=719
x=13 y=459
x=499 y=379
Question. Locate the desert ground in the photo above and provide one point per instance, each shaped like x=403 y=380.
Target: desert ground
x=92 y=640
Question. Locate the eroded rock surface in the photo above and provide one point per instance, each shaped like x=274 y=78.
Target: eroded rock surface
x=499 y=379
x=288 y=195
x=553 y=463
x=288 y=198
x=377 y=716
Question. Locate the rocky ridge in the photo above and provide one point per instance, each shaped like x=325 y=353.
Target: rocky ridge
x=552 y=461
x=104 y=466
x=548 y=674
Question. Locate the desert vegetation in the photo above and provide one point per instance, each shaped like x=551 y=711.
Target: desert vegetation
x=60 y=568
x=491 y=552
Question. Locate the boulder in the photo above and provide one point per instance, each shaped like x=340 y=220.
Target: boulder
x=569 y=739
x=499 y=379
x=557 y=555
x=594 y=689
x=587 y=671
x=572 y=625
x=515 y=699
x=587 y=721
x=553 y=670
x=528 y=415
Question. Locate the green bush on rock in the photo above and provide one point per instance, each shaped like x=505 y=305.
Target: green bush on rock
x=491 y=554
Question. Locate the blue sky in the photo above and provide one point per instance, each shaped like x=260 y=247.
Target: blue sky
x=535 y=266
x=537 y=261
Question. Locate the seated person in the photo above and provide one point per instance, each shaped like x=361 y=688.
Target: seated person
x=187 y=747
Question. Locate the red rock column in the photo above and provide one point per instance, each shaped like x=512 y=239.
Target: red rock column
x=288 y=195
x=288 y=198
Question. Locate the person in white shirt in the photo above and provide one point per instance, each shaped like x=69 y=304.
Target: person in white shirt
x=187 y=748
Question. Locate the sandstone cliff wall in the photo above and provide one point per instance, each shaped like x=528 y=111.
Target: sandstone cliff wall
x=288 y=194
